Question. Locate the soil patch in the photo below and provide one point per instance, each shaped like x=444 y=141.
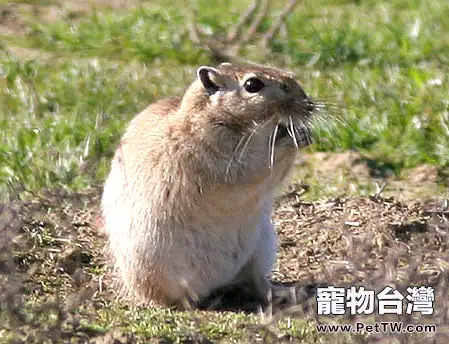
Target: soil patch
x=52 y=255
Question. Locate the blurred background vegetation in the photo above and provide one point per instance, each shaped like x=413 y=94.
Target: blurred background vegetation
x=73 y=73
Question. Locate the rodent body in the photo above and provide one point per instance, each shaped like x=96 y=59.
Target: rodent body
x=187 y=204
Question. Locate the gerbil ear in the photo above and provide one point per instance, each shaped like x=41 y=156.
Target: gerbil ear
x=211 y=79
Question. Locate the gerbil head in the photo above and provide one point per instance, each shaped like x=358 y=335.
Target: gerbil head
x=267 y=104
x=243 y=98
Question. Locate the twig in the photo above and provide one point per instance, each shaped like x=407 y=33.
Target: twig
x=225 y=47
x=380 y=189
x=268 y=37
x=256 y=23
x=235 y=31
x=191 y=24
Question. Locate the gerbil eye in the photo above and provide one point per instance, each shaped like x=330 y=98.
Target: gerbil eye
x=253 y=85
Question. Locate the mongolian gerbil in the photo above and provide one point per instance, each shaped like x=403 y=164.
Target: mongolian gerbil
x=187 y=204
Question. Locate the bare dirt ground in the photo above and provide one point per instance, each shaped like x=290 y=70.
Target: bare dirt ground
x=50 y=244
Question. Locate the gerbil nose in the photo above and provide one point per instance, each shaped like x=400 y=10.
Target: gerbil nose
x=310 y=105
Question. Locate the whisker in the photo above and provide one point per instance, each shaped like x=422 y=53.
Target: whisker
x=300 y=135
x=272 y=144
x=291 y=131
x=321 y=118
x=303 y=131
x=243 y=144
x=261 y=126
x=235 y=151
x=327 y=123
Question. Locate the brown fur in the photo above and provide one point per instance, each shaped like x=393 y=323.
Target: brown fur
x=187 y=204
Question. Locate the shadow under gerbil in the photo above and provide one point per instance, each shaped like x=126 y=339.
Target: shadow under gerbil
x=241 y=299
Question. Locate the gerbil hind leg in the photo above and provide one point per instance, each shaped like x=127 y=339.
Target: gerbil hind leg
x=255 y=273
x=251 y=287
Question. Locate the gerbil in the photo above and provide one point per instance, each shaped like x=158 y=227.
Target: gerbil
x=187 y=204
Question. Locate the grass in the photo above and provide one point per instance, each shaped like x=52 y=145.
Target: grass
x=70 y=84
x=381 y=66
x=76 y=120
